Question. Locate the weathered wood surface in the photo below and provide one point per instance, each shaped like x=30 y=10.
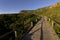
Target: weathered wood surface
x=42 y=31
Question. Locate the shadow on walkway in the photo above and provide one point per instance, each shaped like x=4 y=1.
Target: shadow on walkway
x=28 y=36
x=41 y=37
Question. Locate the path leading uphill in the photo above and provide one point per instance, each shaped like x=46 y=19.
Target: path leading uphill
x=42 y=31
x=48 y=31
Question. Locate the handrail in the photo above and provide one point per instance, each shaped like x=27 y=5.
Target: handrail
x=17 y=28
x=27 y=31
x=55 y=21
x=10 y=32
x=5 y=34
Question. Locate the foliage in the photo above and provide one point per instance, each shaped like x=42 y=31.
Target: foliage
x=57 y=29
x=12 y=22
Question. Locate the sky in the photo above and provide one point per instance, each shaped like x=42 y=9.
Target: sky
x=18 y=5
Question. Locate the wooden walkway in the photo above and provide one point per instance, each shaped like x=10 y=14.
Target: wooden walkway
x=42 y=31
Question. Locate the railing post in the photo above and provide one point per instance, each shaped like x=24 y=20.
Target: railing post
x=49 y=19
x=15 y=35
x=52 y=23
x=36 y=20
x=31 y=24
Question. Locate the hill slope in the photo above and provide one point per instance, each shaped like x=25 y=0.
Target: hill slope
x=52 y=11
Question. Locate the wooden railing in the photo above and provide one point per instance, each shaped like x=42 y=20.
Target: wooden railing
x=53 y=21
x=29 y=29
x=26 y=31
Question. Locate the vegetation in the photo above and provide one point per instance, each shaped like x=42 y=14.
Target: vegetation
x=57 y=29
x=18 y=22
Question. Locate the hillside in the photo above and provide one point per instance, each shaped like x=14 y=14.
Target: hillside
x=52 y=11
